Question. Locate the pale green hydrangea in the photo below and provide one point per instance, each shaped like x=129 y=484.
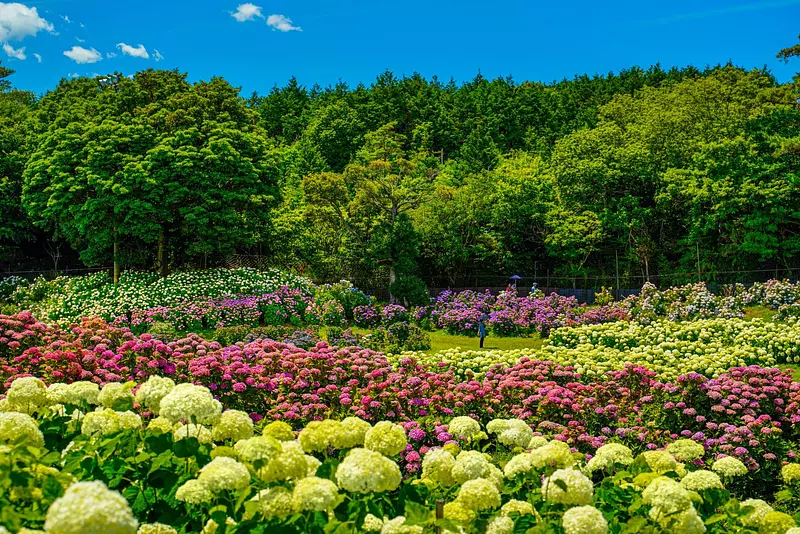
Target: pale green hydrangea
x=521 y=464
x=160 y=425
x=470 y=465
x=372 y=524
x=578 y=491
x=729 y=466
x=760 y=511
x=686 y=450
x=608 y=456
x=511 y=432
x=352 y=432
x=194 y=492
x=366 y=471
x=456 y=511
x=315 y=494
x=28 y=395
x=790 y=473
x=660 y=461
x=386 y=438
x=398 y=526
x=223 y=473
x=701 y=480
x=536 y=442
x=584 y=520
x=291 y=463
x=478 y=494
x=233 y=425
x=188 y=402
x=500 y=524
x=129 y=420
x=437 y=465
x=82 y=392
x=156 y=528
x=666 y=497
x=317 y=436
x=274 y=502
x=90 y=507
x=191 y=430
x=686 y=522
x=776 y=522
x=555 y=454
x=278 y=430
x=516 y=506
x=464 y=427
x=151 y=392
x=259 y=448
x=117 y=396
x=102 y=422
x=15 y=426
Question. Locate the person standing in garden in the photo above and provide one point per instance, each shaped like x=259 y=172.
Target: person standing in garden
x=482 y=327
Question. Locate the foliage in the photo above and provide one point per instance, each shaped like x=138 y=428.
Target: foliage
x=411 y=291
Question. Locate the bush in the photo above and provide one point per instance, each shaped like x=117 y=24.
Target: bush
x=398 y=337
x=393 y=313
x=346 y=294
x=366 y=316
x=163 y=331
x=411 y=291
x=230 y=335
x=9 y=285
x=604 y=297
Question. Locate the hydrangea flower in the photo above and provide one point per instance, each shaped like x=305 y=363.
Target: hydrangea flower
x=28 y=395
x=315 y=494
x=398 y=526
x=151 y=392
x=511 y=432
x=554 y=454
x=790 y=473
x=233 y=425
x=100 y=423
x=291 y=463
x=191 y=430
x=760 y=511
x=516 y=506
x=194 y=492
x=609 y=455
x=579 y=488
x=437 y=465
x=259 y=448
x=660 y=461
x=464 y=427
x=274 y=502
x=366 y=471
x=352 y=432
x=117 y=396
x=160 y=425
x=729 y=466
x=15 y=426
x=686 y=450
x=372 y=524
x=470 y=465
x=317 y=436
x=776 y=522
x=386 y=438
x=584 y=520
x=666 y=497
x=190 y=403
x=279 y=430
x=156 y=528
x=478 y=494
x=90 y=507
x=500 y=524
x=701 y=480
x=129 y=420
x=224 y=473
x=456 y=511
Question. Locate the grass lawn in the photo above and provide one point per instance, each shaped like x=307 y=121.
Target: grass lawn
x=442 y=340
x=760 y=312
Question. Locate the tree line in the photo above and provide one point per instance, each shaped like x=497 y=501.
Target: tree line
x=647 y=172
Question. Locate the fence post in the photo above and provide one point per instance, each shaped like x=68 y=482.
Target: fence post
x=697 y=245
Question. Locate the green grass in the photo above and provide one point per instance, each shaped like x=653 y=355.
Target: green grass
x=760 y=312
x=441 y=340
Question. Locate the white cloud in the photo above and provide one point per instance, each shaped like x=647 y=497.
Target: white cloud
x=18 y=21
x=135 y=51
x=282 y=23
x=79 y=54
x=38 y=57
x=157 y=56
x=66 y=19
x=80 y=40
x=18 y=53
x=74 y=75
x=247 y=12
x=111 y=55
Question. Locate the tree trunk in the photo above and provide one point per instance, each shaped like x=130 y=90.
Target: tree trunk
x=162 y=260
x=116 y=256
x=392 y=278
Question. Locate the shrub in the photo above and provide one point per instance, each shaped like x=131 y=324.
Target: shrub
x=604 y=297
x=411 y=291
x=163 y=331
x=367 y=316
x=345 y=294
x=394 y=313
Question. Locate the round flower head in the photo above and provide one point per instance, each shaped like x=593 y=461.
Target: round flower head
x=470 y=465
x=278 y=430
x=160 y=425
x=685 y=522
x=437 y=465
x=554 y=454
x=536 y=442
x=317 y=436
x=579 y=488
x=760 y=511
x=212 y=526
x=456 y=511
x=366 y=471
x=521 y=464
x=793 y=530
x=315 y=494
x=117 y=396
x=233 y=425
x=190 y=403
x=607 y=456
x=660 y=461
x=584 y=520
x=372 y=524
x=224 y=450
x=776 y=522
x=511 y=432
x=129 y=420
x=291 y=463
x=90 y=507
x=58 y=393
x=464 y=427
x=100 y=423
x=28 y=395
x=398 y=526
x=518 y=507
x=386 y=438
x=478 y=494
x=352 y=432
x=686 y=450
x=80 y=393
x=224 y=473
x=729 y=467
x=194 y=492
x=156 y=528
x=198 y=432
x=151 y=392
x=274 y=502
x=790 y=473
x=701 y=480
x=20 y=427
x=666 y=497
x=500 y=525
x=257 y=449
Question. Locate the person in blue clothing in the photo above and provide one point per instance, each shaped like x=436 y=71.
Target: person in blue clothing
x=482 y=327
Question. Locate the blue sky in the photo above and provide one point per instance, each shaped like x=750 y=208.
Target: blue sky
x=259 y=44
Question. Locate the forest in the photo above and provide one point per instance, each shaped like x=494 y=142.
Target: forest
x=646 y=174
